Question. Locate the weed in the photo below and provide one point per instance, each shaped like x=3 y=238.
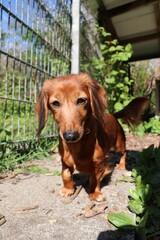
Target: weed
x=152 y=126
x=40 y=170
x=144 y=200
x=36 y=169
x=12 y=155
x=56 y=173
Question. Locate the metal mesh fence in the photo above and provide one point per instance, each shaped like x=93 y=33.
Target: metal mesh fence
x=35 y=44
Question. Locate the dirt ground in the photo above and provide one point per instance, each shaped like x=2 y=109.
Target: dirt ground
x=34 y=210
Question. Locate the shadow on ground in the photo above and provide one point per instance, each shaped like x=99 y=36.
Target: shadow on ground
x=116 y=235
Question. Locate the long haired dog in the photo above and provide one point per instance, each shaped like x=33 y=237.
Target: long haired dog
x=86 y=134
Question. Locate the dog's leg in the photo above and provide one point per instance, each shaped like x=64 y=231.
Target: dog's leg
x=68 y=188
x=122 y=163
x=121 y=148
x=95 y=189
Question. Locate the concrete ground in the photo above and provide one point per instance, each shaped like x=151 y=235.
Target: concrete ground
x=34 y=210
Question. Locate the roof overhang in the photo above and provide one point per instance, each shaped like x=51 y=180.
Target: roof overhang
x=132 y=21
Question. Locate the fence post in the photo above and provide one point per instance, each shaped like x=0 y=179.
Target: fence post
x=75 y=51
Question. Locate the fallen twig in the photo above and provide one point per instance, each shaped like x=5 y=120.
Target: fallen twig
x=72 y=197
x=95 y=209
x=2 y=220
x=28 y=208
x=77 y=191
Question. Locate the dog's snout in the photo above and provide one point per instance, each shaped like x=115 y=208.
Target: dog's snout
x=70 y=136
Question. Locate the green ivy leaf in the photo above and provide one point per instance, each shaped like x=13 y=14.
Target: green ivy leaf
x=112 y=49
x=123 y=96
x=138 y=219
x=119 y=48
x=114 y=72
x=120 y=85
x=123 y=56
x=128 y=48
x=134 y=194
x=126 y=80
x=118 y=106
x=136 y=206
x=139 y=179
x=140 y=188
x=110 y=80
x=103 y=46
x=122 y=221
x=122 y=71
x=114 y=41
x=134 y=173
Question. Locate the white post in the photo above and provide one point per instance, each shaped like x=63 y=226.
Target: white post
x=75 y=51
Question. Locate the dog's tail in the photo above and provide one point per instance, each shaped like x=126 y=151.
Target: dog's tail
x=132 y=113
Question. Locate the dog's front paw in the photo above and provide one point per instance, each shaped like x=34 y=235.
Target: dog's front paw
x=65 y=192
x=96 y=196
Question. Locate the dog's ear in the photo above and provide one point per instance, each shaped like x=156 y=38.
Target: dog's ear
x=42 y=110
x=97 y=100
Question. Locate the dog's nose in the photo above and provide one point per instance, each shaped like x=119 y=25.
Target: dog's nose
x=70 y=136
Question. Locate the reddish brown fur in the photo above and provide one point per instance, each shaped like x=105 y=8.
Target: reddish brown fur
x=86 y=134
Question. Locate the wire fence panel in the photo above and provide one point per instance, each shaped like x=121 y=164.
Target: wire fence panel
x=35 y=44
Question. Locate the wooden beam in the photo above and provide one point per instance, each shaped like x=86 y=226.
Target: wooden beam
x=141 y=38
x=104 y=18
x=128 y=7
x=106 y=22
x=157 y=11
x=144 y=57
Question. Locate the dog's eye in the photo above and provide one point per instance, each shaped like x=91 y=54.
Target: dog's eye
x=55 y=104
x=81 y=101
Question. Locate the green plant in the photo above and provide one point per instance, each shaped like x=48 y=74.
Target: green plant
x=37 y=169
x=152 y=126
x=144 y=200
x=111 y=70
x=40 y=170
x=56 y=173
x=12 y=155
x=143 y=73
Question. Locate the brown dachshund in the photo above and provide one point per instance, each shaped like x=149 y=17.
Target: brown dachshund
x=86 y=134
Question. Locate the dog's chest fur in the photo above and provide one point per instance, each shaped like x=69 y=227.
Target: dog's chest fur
x=83 y=155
